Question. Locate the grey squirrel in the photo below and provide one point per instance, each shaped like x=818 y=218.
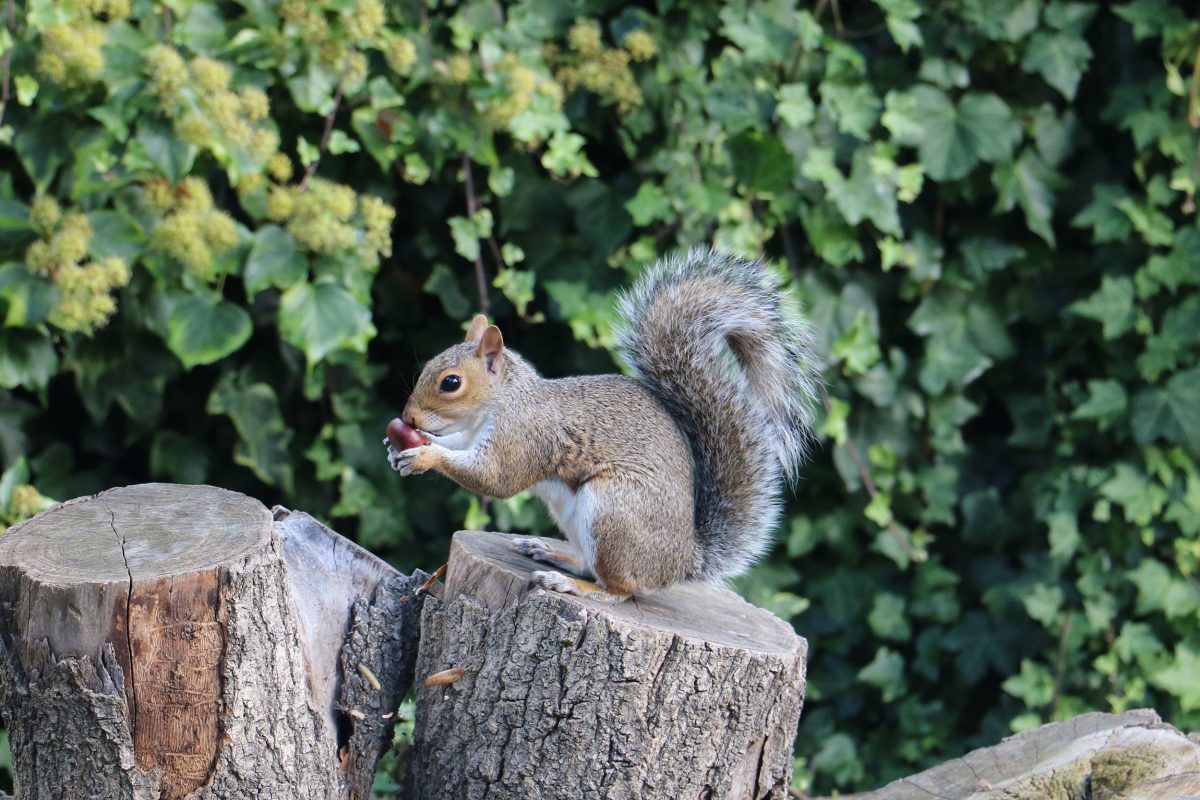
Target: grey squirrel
x=674 y=474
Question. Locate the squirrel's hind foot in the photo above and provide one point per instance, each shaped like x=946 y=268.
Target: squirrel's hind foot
x=541 y=551
x=559 y=582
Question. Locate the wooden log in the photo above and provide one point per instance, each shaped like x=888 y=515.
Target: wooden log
x=1130 y=756
x=685 y=693
x=162 y=641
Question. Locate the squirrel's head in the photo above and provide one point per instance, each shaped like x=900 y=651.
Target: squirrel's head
x=457 y=382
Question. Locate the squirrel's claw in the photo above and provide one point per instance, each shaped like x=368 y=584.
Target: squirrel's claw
x=392 y=455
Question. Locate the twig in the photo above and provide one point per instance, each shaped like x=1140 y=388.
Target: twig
x=868 y=484
x=7 y=63
x=1193 y=96
x=472 y=209
x=337 y=101
x=1189 y=204
x=1062 y=657
x=842 y=30
x=837 y=18
x=494 y=246
x=166 y=21
x=432 y=579
x=790 y=253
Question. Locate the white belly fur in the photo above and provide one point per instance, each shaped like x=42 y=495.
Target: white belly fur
x=572 y=512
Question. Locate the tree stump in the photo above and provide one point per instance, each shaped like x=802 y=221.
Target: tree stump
x=164 y=641
x=685 y=693
x=1131 y=756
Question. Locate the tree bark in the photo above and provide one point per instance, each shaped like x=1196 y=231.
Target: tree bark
x=1131 y=756
x=164 y=641
x=685 y=693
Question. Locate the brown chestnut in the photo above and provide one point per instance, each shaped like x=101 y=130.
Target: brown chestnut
x=403 y=436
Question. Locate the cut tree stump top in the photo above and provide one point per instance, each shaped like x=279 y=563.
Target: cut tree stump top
x=688 y=692
x=486 y=566
x=1130 y=756
x=85 y=540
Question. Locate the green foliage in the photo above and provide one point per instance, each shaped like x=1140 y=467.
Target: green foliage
x=229 y=234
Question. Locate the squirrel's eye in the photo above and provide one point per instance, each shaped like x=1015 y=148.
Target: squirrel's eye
x=450 y=383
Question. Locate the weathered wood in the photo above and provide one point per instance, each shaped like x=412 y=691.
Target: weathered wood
x=164 y=641
x=685 y=693
x=1131 y=756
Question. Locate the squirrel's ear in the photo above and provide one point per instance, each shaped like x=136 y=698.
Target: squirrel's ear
x=475 y=332
x=491 y=345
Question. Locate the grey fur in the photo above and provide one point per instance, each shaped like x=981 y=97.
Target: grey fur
x=719 y=344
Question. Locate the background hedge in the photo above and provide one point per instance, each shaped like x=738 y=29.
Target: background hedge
x=230 y=232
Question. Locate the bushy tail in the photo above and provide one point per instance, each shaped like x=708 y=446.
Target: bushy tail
x=713 y=337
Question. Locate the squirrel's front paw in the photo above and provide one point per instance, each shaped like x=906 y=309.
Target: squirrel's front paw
x=534 y=548
x=412 y=461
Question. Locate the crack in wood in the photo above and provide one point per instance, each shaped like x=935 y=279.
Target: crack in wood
x=133 y=703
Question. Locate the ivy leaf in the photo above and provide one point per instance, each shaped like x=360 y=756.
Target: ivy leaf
x=951 y=360
x=901 y=16
x=1140 y=498
x=1171 y=412
x=443 y=285
x=1103 y=215
x=650 y=203
x=886 y=673
x=1181 y=677
x=887 y=618
x=1070 y=17
x=1064 y=535
x=204 y=328
x=465 y=233
x=857 y=347
x=1111 y=305
x=14 y=417
x=1159 y=590
x=761 y=162
x=838 y=757
x=834 y=240
x=263 y=437
x=274 y=260
x=27 y=359
x=762 y=37
x=868 y=194
x=178 y=458
x=1178 y=268
x=951 y=139
x=114 y=234
x=517 y=286
x=982 y=255
x=313 y=89
x=795 y=105
x=1107 y=400
x=1059 y=57
x=42 y=148
x=168 y=154
x=854 y=106
x=319 y=318
x=28 y=298
x=1029 y=182
x=1150 y=17
x=1034 y=684
x=14 y=224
